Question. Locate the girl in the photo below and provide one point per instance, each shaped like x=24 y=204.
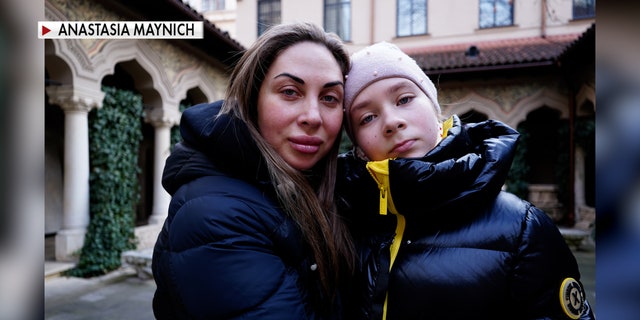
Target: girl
x=437 y=237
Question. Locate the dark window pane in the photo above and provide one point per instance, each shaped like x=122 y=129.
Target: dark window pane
x=268 y=14
x=337 y=18
x=412 y=17
x=496 y=13
x=584 y=9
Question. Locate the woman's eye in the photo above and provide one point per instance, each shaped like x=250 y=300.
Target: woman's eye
x=289 y=92
x=331 y=99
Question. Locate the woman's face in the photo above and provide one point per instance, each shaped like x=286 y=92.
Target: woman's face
x=300 y=104
x=394 y=118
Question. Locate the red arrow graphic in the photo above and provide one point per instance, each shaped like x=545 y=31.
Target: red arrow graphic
x=45 y=30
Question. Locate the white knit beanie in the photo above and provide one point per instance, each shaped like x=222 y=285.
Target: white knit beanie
x=379 y=61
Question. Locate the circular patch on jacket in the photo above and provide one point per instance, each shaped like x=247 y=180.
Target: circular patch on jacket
x=572 y=298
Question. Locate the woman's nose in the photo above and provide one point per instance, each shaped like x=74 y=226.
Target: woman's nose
x=311 y=114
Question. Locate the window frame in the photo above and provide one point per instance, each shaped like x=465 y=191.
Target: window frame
x=412 y=23
x=212 y=5
x=342 y=10
x=270 y=17
x=588 y=6
x=510 y=4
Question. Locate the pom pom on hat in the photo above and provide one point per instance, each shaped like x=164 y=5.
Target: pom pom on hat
x=379 y=61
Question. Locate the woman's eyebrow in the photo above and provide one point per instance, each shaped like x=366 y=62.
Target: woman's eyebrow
x=294 y=78
x=334 y=83
x=300 y=81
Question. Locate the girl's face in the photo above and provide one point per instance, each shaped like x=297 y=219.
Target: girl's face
x=393 y=118
x=300 y=104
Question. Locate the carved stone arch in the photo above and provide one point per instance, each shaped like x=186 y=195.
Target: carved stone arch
x=586 y=94
x=197 y=95
x=541 y=98
x=67 y=50
x=198 y=79
x=472 y=101
x=52 y=13
x=57 y=67
x=141 y=63
x=66 y=64
x=72 y=53
x=586 y=109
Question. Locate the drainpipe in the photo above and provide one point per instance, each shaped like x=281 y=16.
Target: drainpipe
x=571 y=218
x=543 y=19
x=371 y=18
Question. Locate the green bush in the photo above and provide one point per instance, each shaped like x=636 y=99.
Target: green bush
x=115 y=132
x=584 y=137
x=175 y=130
x=518 y=177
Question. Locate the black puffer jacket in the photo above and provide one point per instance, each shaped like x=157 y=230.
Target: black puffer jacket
x=226 y=250
x=467 y=249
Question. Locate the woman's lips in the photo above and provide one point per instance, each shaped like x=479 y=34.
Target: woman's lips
x=305 y=144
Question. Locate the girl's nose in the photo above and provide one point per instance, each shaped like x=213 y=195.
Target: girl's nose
x=393 y=124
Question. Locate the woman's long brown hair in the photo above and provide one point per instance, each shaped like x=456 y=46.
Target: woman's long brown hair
x=313 y=208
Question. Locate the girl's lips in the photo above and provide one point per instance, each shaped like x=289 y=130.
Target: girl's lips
x=402 y=147
x=305 y=144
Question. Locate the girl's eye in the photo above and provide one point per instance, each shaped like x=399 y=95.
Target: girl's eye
x=367 y=119
x=404 y=100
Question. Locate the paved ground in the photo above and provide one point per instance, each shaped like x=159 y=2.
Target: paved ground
x=587 y=262
x=122 y=295
x=118 y=295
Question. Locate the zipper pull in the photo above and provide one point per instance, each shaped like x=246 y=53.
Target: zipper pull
x=379 y=170
x=383 y=200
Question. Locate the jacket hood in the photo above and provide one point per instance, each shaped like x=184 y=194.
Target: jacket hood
x=213 y=144
x=469 y=165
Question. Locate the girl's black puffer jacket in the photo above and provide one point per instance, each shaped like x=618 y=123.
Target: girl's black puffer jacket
x=468 y=250
x=227 y=251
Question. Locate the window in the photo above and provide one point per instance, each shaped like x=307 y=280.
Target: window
x=584 y=9
x=496 y=13
x=210 y=5
x=412 y=17
x=337 y=18
x=268 y=14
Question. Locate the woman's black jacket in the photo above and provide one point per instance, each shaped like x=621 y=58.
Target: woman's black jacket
x=227 y=250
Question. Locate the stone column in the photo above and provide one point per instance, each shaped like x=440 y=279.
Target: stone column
x=162 y=121
x=579 y=169
x=76 y=105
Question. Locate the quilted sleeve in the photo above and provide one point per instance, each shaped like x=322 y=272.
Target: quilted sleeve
x=546 y=279
x=222 y=262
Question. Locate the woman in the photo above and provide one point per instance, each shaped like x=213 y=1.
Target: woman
x=252 y=230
